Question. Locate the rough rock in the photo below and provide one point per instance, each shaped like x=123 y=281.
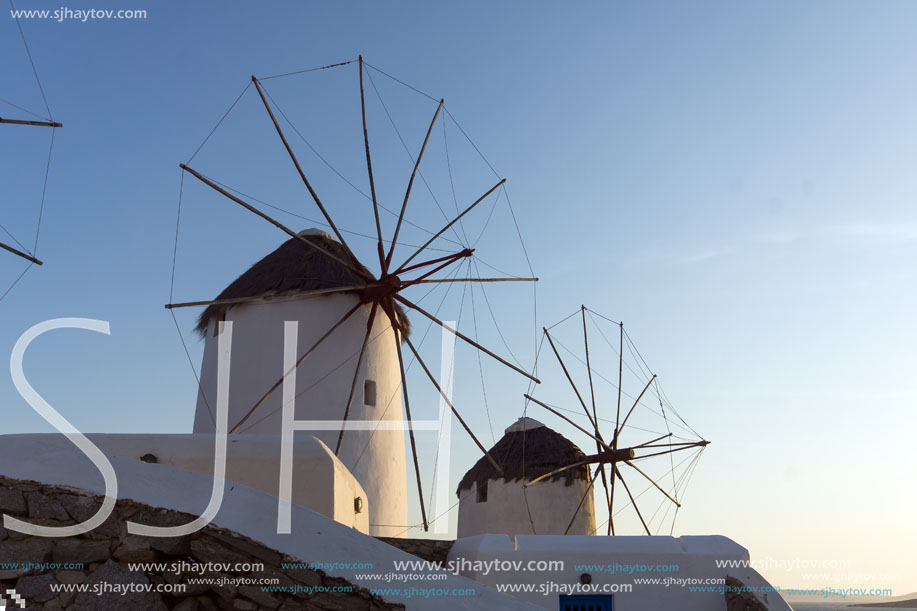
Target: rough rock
x=113 y=573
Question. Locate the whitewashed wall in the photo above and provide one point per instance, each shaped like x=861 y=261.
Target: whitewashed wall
x=695 y=557
x=551 y=507
x=321 y=482
x=377 y=459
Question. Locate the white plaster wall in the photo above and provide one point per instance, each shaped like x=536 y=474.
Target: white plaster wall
x=320 y=481
x=376 y=458
x=695 y=556
x=552 y=505
x=248 y=512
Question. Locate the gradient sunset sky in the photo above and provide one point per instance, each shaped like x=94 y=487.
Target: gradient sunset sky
x=734 y=180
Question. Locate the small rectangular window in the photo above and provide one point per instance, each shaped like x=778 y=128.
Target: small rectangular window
x=482 y=491
x=369 y=393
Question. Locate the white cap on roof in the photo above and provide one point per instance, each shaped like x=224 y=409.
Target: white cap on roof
x=318 y=232
x=523 y=424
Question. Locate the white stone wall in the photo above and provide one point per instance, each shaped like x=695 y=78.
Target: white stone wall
x=694 y=556
x=320 y=481
x=250 y=513
x=551 y=506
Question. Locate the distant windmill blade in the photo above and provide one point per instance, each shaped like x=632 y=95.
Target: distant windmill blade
x=598 y=470
x=612 y=455
x=632 y=500
x=595 y=415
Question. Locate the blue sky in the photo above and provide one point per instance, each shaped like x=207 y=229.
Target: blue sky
x=733 y=180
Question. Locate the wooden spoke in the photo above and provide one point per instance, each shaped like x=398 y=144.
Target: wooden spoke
x=451 y=406
x=372 y=183
x=557 y=413
x=298 y=362
x=407 y=193
x=299 y=169
x=585 y=495
x=651 y=441
x=611 y=504
x=595 y=415
x=33 y=123
x=407 y=410
x=570 y=379
x=614 y=441
x=405 y=270
x=19 y=253
x=450 y=260
x=699 y=444
x=632 y=501
x=670 y=445
x=356 y=375
x=467 y=339
x=450 y=224
x=315 y=293
x=274 y=222
x=556 y=471
x=652 y=481
x=443 y=280
x=645 y=388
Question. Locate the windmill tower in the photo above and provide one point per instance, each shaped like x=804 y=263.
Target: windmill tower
x=353 y=333
x=490 y=502
x=323 y=383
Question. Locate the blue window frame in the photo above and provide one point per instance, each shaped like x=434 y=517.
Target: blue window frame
x=586 y=602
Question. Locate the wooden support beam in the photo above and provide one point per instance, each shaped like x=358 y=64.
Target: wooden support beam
x=356 y=376
x=372 y=183
x=652 y=481
x=234 y=300
x=449 y=224
x=274 y=222
x=632 y=501
x=557 y=413
x=407 y=194
x=299 y=169
x=585 y=496
x=19 y=253
x=563 y=366
x=396 y=326
x=445 y=280
x=33 y=123
x=634 y=406
x=595 y=415
x=416 y=307
x=451 y=406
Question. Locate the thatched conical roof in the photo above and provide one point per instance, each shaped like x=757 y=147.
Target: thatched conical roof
x=528 y=449
x=294 y=267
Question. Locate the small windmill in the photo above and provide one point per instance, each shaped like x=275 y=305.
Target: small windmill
x=383 y=293
x=612 y=452
x=37 y=120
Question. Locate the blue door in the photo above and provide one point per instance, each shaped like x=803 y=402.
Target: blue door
x=585 y=602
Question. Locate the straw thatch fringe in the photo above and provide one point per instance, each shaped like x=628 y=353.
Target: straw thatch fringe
x=294 y=267
x=545 y=450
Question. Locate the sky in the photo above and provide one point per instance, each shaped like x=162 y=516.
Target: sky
x=732 y=180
